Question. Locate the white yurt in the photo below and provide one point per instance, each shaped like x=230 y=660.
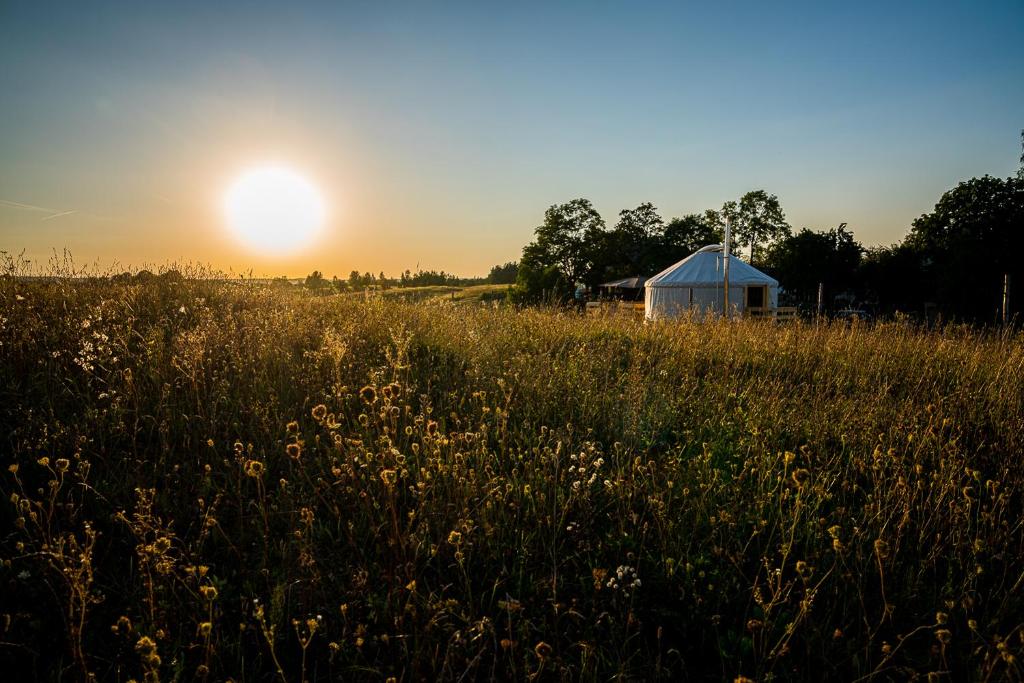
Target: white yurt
x=697 y=284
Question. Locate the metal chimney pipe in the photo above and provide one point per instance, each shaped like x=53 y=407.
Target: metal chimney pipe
x=725 y=270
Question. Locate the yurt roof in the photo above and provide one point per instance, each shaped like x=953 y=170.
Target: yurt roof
x=703 y=268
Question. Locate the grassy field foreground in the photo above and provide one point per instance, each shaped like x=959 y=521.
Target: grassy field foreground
x=204 y=481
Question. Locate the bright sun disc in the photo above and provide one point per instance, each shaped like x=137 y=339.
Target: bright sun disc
x=274 y=209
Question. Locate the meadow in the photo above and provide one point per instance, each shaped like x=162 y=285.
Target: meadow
x=207 y=481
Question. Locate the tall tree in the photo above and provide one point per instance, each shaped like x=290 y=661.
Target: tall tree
x=759 y=221
x=504 y=274
x=803 y=260
x=683 y=236
x=562 y=239
x=972 y=239
x=633 y=243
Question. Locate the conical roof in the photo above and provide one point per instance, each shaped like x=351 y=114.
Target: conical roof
x=703 y=268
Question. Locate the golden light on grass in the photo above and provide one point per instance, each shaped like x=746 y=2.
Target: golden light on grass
x=274 y=209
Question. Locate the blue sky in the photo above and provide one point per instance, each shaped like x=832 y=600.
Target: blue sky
x=439 y=133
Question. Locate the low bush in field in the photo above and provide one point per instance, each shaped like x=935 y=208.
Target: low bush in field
x=210 y=480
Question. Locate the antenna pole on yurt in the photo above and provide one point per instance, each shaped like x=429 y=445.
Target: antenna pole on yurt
x=725 y=268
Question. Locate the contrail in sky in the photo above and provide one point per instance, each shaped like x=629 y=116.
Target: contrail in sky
x=54 y=213
x=58 y=215
x=27 y=207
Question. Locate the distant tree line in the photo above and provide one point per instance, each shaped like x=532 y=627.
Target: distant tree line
x=952 y=262
x=503 y=274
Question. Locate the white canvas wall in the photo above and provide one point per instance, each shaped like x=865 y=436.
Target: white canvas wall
x=670 y=302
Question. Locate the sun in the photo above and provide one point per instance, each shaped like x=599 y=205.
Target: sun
x=274 y=209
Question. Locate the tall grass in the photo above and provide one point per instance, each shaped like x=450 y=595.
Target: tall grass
x=208 y=480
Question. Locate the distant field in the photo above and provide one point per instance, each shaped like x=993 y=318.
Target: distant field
x=205 y=481
x=476 y=293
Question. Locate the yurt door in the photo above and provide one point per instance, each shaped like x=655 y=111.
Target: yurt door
x=756 y=296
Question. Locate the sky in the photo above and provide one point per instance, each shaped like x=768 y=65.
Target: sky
x=438 y=133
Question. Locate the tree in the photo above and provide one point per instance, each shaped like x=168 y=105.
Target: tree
x=894 y=277
x=801 y=261
x=537 y=282
x=316 y=281
x=635 y=239
x=970 y=240
x=562 y=239
x=504 y=274
x=683 y=236
x=758 y=221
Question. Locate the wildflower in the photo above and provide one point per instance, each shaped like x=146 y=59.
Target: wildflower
x=542 y=650
x=208 y=592
x=368 y=394
x=145 y=644
x=799 y=476
x=293 y=450
x=943 y=635
x=319 y=412
x=455 y=538
x=881 y=549
x=431 y=427
x=388 y=477
x=293 y=427
x=941 y=618
x=205 y=628
x=254 y=468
